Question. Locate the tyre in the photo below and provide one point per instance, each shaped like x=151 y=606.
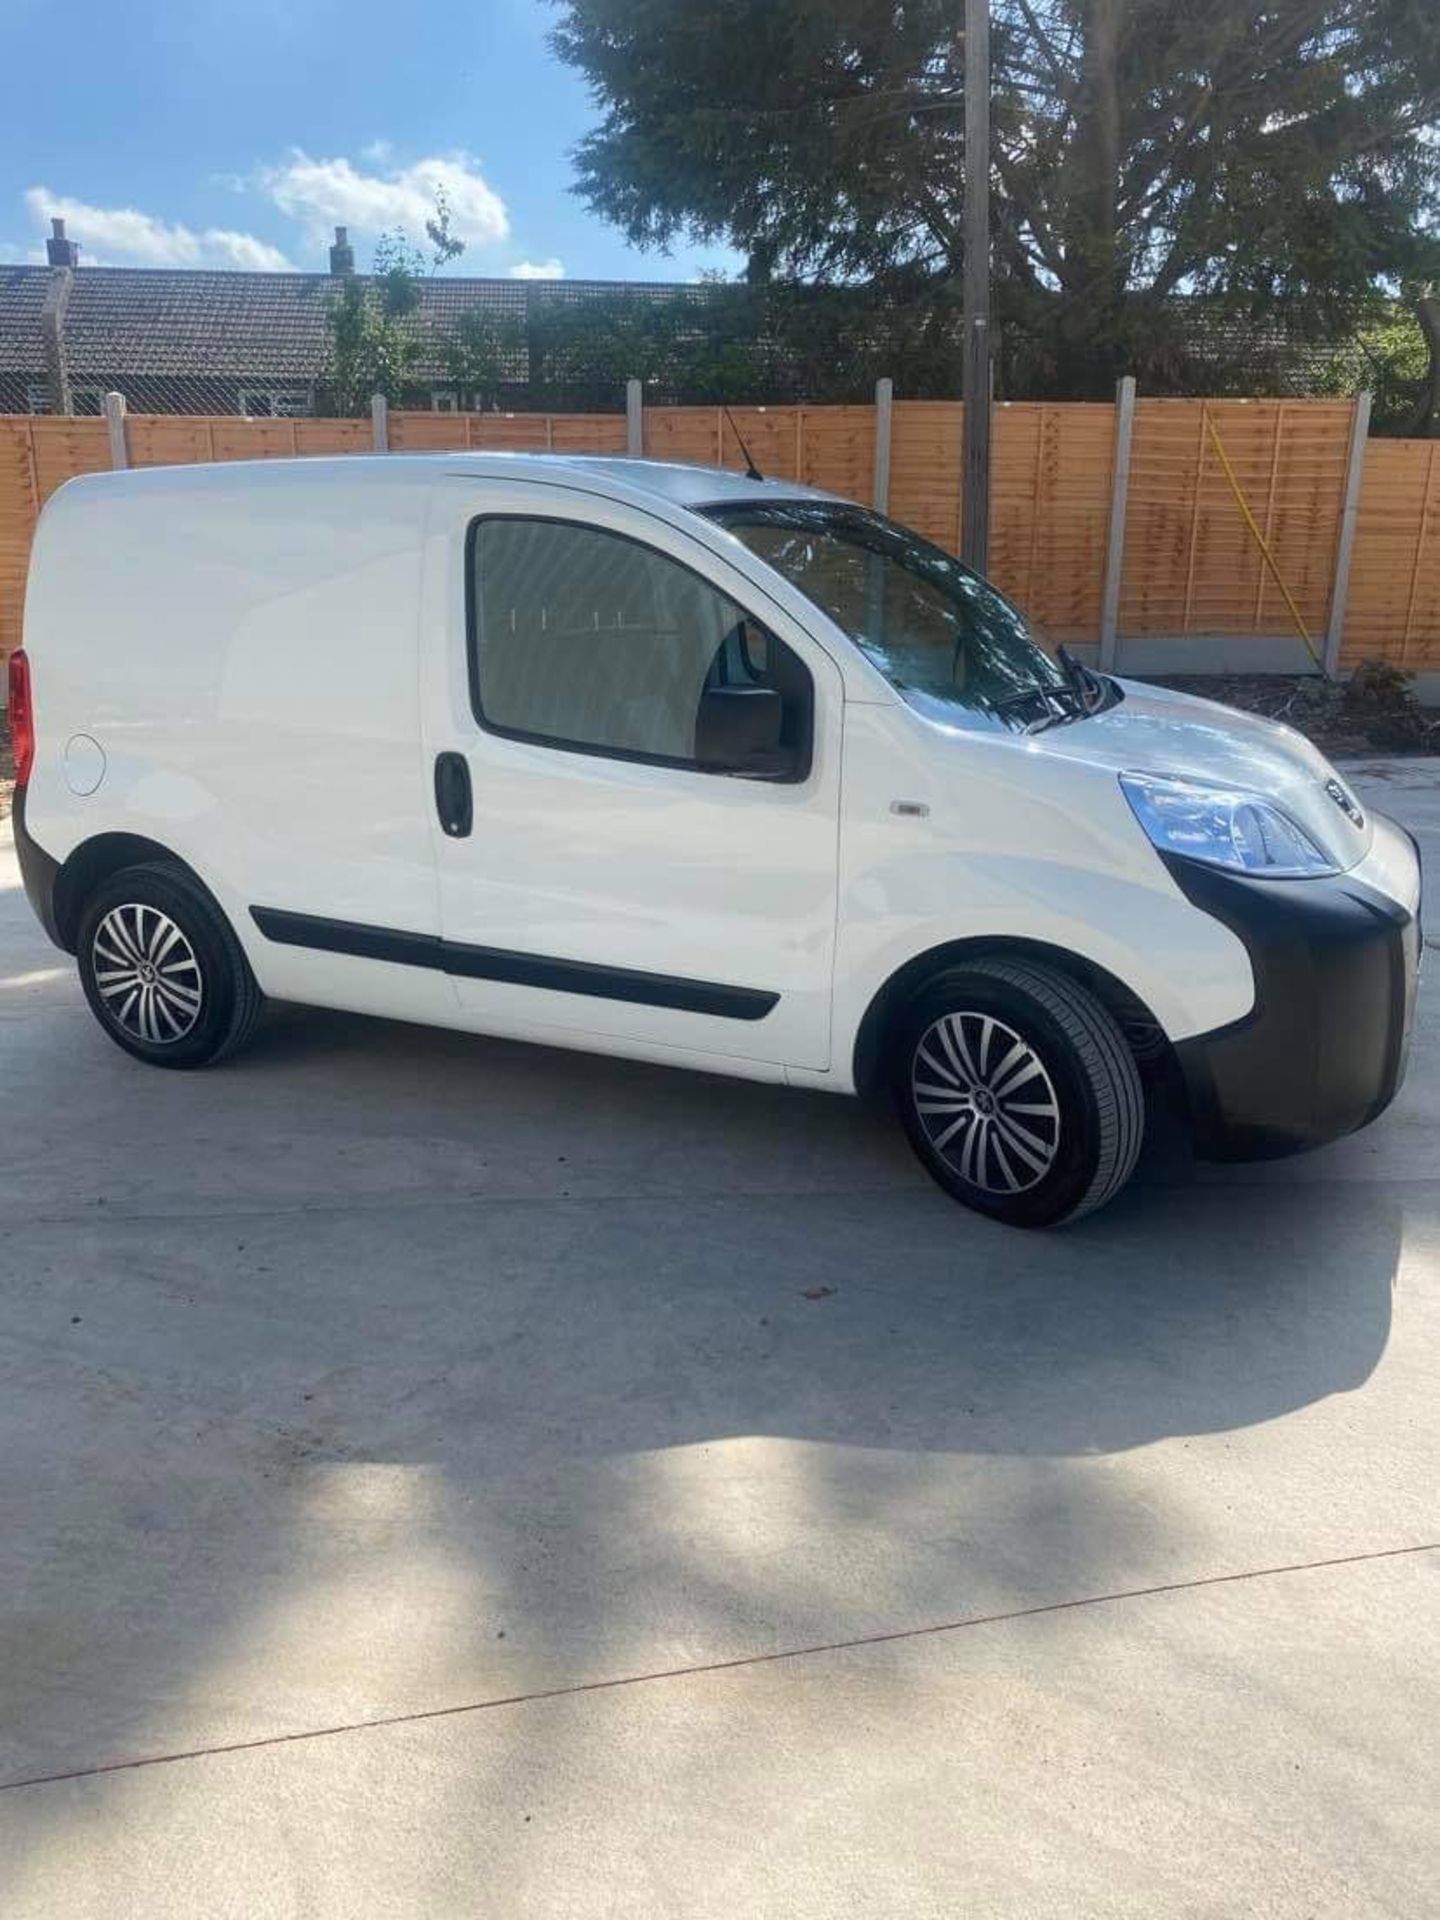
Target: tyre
x=163 y=972
x=1018 y=1091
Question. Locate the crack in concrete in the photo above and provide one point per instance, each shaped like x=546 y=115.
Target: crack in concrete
x=740 y=1661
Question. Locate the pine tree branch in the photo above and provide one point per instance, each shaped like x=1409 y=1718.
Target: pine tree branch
x=1063 y=82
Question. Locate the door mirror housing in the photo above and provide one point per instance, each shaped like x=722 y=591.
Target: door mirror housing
x=738 y=729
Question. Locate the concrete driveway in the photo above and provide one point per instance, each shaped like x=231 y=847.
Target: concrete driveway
x=444 y=1478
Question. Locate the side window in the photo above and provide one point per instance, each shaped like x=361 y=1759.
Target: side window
x=597 y=643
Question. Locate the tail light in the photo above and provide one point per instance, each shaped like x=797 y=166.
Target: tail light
x=22 y=717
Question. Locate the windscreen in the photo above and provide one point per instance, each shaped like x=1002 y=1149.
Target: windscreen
x=944 y=639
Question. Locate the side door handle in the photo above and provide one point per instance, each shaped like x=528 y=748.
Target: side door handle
x=454 y=801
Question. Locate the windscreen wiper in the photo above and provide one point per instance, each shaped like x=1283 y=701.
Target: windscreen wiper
x=1084 y=691
x=1047 y=696
x=1095 y=689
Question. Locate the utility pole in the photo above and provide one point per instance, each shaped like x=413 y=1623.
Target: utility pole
x=975 y=530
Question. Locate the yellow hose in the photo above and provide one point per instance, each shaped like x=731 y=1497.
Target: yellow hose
x=1262 y=543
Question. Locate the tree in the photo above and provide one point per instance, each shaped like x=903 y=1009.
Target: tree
x=374 y=339
x=1275 y=158
x=477 y=354
x=1426 y=415
x=375 y=333
x=685 y=343
x=446 y=245
x=368 y=351
x=1394 y=356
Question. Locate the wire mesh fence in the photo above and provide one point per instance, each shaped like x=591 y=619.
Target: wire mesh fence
x=268 y=346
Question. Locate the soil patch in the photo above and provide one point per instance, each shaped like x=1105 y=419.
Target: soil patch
x=1374 y=711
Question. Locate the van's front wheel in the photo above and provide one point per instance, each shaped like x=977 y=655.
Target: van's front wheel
x=1018 y=1091
x=162 y=970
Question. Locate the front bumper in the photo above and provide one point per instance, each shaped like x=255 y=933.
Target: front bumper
x=1323 y=1050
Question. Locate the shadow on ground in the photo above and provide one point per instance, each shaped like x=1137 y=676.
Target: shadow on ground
x=724 y=1376
x=388 y=1369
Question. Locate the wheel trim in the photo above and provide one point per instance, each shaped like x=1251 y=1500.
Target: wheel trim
x=985 y=1101
x=146 y=974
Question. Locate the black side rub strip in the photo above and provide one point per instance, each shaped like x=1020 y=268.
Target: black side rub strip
x=518 y=969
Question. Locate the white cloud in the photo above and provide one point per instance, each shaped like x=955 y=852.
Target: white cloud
x=551 y=269
x=133 y=239
x=321 y=194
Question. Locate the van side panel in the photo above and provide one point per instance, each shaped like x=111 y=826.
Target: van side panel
x=1017 y=846
x=241 y=641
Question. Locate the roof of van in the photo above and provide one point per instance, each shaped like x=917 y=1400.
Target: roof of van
x=686 y=484
x=680 y=484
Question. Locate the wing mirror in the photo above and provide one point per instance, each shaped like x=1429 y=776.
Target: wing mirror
x=737 y=730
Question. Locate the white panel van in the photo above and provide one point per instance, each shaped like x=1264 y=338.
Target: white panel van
x=666 y=762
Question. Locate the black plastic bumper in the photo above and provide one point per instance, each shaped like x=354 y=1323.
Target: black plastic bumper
x=1323 y=1049
x=37 y=870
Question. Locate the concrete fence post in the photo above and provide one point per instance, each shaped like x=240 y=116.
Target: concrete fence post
x=115 y=422
x=1345 y=542
x=380 y=422
x=1119 y=501
x=634 y=419
x=884 y=415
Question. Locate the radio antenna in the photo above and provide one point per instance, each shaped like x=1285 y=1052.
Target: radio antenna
x=752 y=472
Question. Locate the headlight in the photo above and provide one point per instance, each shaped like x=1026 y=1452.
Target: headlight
x=1224 y=827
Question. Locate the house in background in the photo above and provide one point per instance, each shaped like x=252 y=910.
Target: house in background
x=178 y=340
x=182 y=340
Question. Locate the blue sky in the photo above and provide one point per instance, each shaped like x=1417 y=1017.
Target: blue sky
x=236 y=133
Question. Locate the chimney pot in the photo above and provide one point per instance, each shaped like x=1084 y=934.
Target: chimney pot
x=59 y=251
x=342 y=254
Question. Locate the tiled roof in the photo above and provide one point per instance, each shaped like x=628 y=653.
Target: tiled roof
x=22 y=293
x=268 y=326
x=156 y=328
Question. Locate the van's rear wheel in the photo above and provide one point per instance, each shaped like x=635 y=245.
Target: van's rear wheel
x=162 y=970
x=1018 y=1091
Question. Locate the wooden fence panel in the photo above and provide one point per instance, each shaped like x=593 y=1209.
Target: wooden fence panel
x=256 y=439
x=837 y=447
x=66 y=446
x=1310 y=456
x=510 y=432
x=1192 y=564
x=705 y=436
x=587 y=432
x=19 y=508
x=171 y=440
x=683 y=433
x=829 y=447
x=1394 y=604
x=925 y=468
x=1050 y=512
x=774 y=436
x=429 y=432
x=320 y=437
